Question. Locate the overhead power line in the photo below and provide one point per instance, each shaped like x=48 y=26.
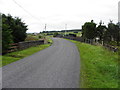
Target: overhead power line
x=25 y=10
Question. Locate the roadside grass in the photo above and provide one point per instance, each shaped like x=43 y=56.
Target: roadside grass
x=98 y=66
x=15 y=56
x=49 y=39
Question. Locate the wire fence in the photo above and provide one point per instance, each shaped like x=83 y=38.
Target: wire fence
x=94 y=42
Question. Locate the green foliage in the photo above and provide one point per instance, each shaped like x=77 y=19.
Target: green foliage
x=31 y=38
x=40 y=36
x=13 y=31
x=99 y=67
x=17 y=27
x=114 y=43
x=55 y=34
x=105 y=34
x=114 y=32
x=73 y=35
x=7 y=38
x=100 y=31
x=89 y=30
x=49 y=40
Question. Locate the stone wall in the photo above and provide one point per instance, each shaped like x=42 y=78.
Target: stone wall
x=24 y=45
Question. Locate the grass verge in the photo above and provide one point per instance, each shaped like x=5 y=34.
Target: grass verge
x=15 y=56
x=99 y=67
x=49 y=39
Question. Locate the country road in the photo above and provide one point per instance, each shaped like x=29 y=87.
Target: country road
x=57 y=66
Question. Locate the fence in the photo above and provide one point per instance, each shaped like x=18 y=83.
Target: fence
x=24 y=45
x=112 y=48
x=93 y=42
x=14 y=47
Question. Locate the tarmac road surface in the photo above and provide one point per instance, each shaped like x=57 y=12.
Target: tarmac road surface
x=57 y=66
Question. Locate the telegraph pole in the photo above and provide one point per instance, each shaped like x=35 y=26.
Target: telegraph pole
x=65 y=28
x=45 y=26
x=45 y=31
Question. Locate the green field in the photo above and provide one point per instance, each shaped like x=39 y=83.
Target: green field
x=77 y=34
x=99 y=67
x=15 y=56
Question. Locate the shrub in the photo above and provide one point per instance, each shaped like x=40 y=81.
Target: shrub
x=6 y=37
x=31 y=38
x=55 y=34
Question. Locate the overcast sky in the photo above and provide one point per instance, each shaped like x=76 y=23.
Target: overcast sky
x=57 y=13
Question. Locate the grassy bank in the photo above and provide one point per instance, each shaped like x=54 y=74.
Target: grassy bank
x=99 y=67
x=48 y=38
x=15 y=56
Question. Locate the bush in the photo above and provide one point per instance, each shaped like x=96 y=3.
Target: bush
x=31 y=38
x=73 y=35
x=13 y=31
x=17 y=27
x=40 y=36
x=114 y=43
x=55 y=34
x=6 y=37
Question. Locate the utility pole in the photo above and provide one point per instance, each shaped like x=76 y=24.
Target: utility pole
x=45 y=26
x=65 y=28
x=45 y=32
x=44 y=29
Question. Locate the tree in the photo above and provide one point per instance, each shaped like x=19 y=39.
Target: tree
x=6 y=35
x=18 y=28
x=113 y=29
x=13 y=31
x=100 y=31
x=89 y=30
x=112 y=33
